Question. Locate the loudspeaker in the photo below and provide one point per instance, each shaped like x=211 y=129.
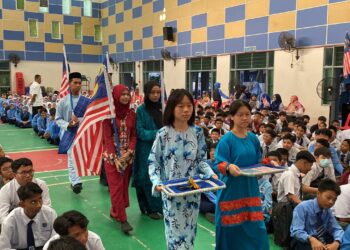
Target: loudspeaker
x=168 y=33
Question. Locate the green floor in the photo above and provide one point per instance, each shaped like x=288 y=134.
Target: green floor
x=94 y=203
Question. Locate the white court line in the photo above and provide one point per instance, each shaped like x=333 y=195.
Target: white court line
x=207 y=229
x=31 y=149
x=64 y=183
x=53 y=176
x=49 y=171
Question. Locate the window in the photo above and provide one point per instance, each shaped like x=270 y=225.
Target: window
x=66 y=5
x=20 y=4
x=152 y=70
x=254 y=70
x=44 y=6
x=87 y=8
x=33 y=27
x=5 y=82
x=55 y=29
x=127 y=74
x=77 y=31
x=333 y=68
x=200 y=75
x=98 y=33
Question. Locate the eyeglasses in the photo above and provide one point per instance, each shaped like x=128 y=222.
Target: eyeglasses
x=6 y=169
x=30 y=172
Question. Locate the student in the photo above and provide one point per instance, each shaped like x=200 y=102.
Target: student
x=29 y=226
x=52 y=132
x=66 y=243
x=234 y=227
x=344 y=153
x=257 y=120
x=5 y=170
x=11 y=114
x=75 y=224
x=321 y=119
x=290 y=183
x=342 y=206
x=275 y=158
x=179 y=151
x=327 y=134
x=321 y=169
x=23 y=171
x=43 y=121
x=214 y=138
x=301 y=138
x=218 y=125
x=34 y=123
x=24 y=118
x=118 y=169
x=148 y=122
x=288 y=143
x=268 y=144
x=313 y=225
x=207 y=204
x=70 y=111
x=282 y=119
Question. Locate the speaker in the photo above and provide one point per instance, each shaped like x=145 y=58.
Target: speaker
x=168 y=33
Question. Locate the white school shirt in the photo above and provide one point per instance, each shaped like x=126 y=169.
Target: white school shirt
x=9 y=198
x=35 y=89
x=14 y=228
x=341 y=207
x=94 y=242
x=289 y=184
x=316 y=171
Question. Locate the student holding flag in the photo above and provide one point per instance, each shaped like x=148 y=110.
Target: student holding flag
x=119 y=143
x=70 y=111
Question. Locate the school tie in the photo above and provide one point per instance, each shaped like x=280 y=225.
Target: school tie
x=301 y=142
x=301 y=187
x=267 y=150
x=342 y=158
x=44 y=121
x=30 y=236
x=320 y=231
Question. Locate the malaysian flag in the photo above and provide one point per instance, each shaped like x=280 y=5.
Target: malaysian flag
x=64 y=90
x=87 y=146
x=346 y=60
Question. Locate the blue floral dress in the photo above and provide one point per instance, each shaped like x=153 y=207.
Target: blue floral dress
x=177 y=155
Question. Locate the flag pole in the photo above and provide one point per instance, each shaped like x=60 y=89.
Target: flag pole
x=111 y=105
x=67 y=69
x=162 y=88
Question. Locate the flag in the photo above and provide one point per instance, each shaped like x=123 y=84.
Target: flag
x=87 y=146
x=346 y=60
x=64 y=90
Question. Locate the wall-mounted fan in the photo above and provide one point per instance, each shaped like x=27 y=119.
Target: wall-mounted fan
x=14 y=58
x=328 y=89
x=287 y=42
x=166 y=55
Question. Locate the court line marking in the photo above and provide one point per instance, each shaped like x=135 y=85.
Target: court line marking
x=31 y=149
x=49 y=171
x=206 y=229
x=67 y=182
x=53 y=176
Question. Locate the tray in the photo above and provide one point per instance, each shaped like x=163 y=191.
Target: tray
x=262 y=169
x=179 y=187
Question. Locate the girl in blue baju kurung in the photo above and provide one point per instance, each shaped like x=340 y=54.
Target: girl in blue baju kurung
x=239 y=217
x=179 y=151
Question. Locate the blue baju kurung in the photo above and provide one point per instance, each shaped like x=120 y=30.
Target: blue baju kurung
x=177 y=155
x=239 y=217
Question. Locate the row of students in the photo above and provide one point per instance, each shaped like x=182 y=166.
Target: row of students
x=26 y=217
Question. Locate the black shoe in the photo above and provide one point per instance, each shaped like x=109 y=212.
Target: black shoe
x=210 y=217
x=77 y=188
x=125 y=227
x=154 y=216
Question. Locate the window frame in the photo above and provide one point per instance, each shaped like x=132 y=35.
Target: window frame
x=123 y=69
x=145 y=76
x=59 y=30
x=24 y=5
x=81 y=32
x=8 y=71
x=269 y=69
x=69 y=6
x=100 y=40
x=85 y=9
x=36 y=26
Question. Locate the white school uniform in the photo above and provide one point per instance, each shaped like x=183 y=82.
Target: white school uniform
x=289 y=184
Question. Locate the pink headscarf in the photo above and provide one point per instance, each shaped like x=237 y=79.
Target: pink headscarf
x=294 y=101
x=121 y=110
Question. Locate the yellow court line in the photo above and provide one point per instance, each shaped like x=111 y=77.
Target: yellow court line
x=206 y=229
